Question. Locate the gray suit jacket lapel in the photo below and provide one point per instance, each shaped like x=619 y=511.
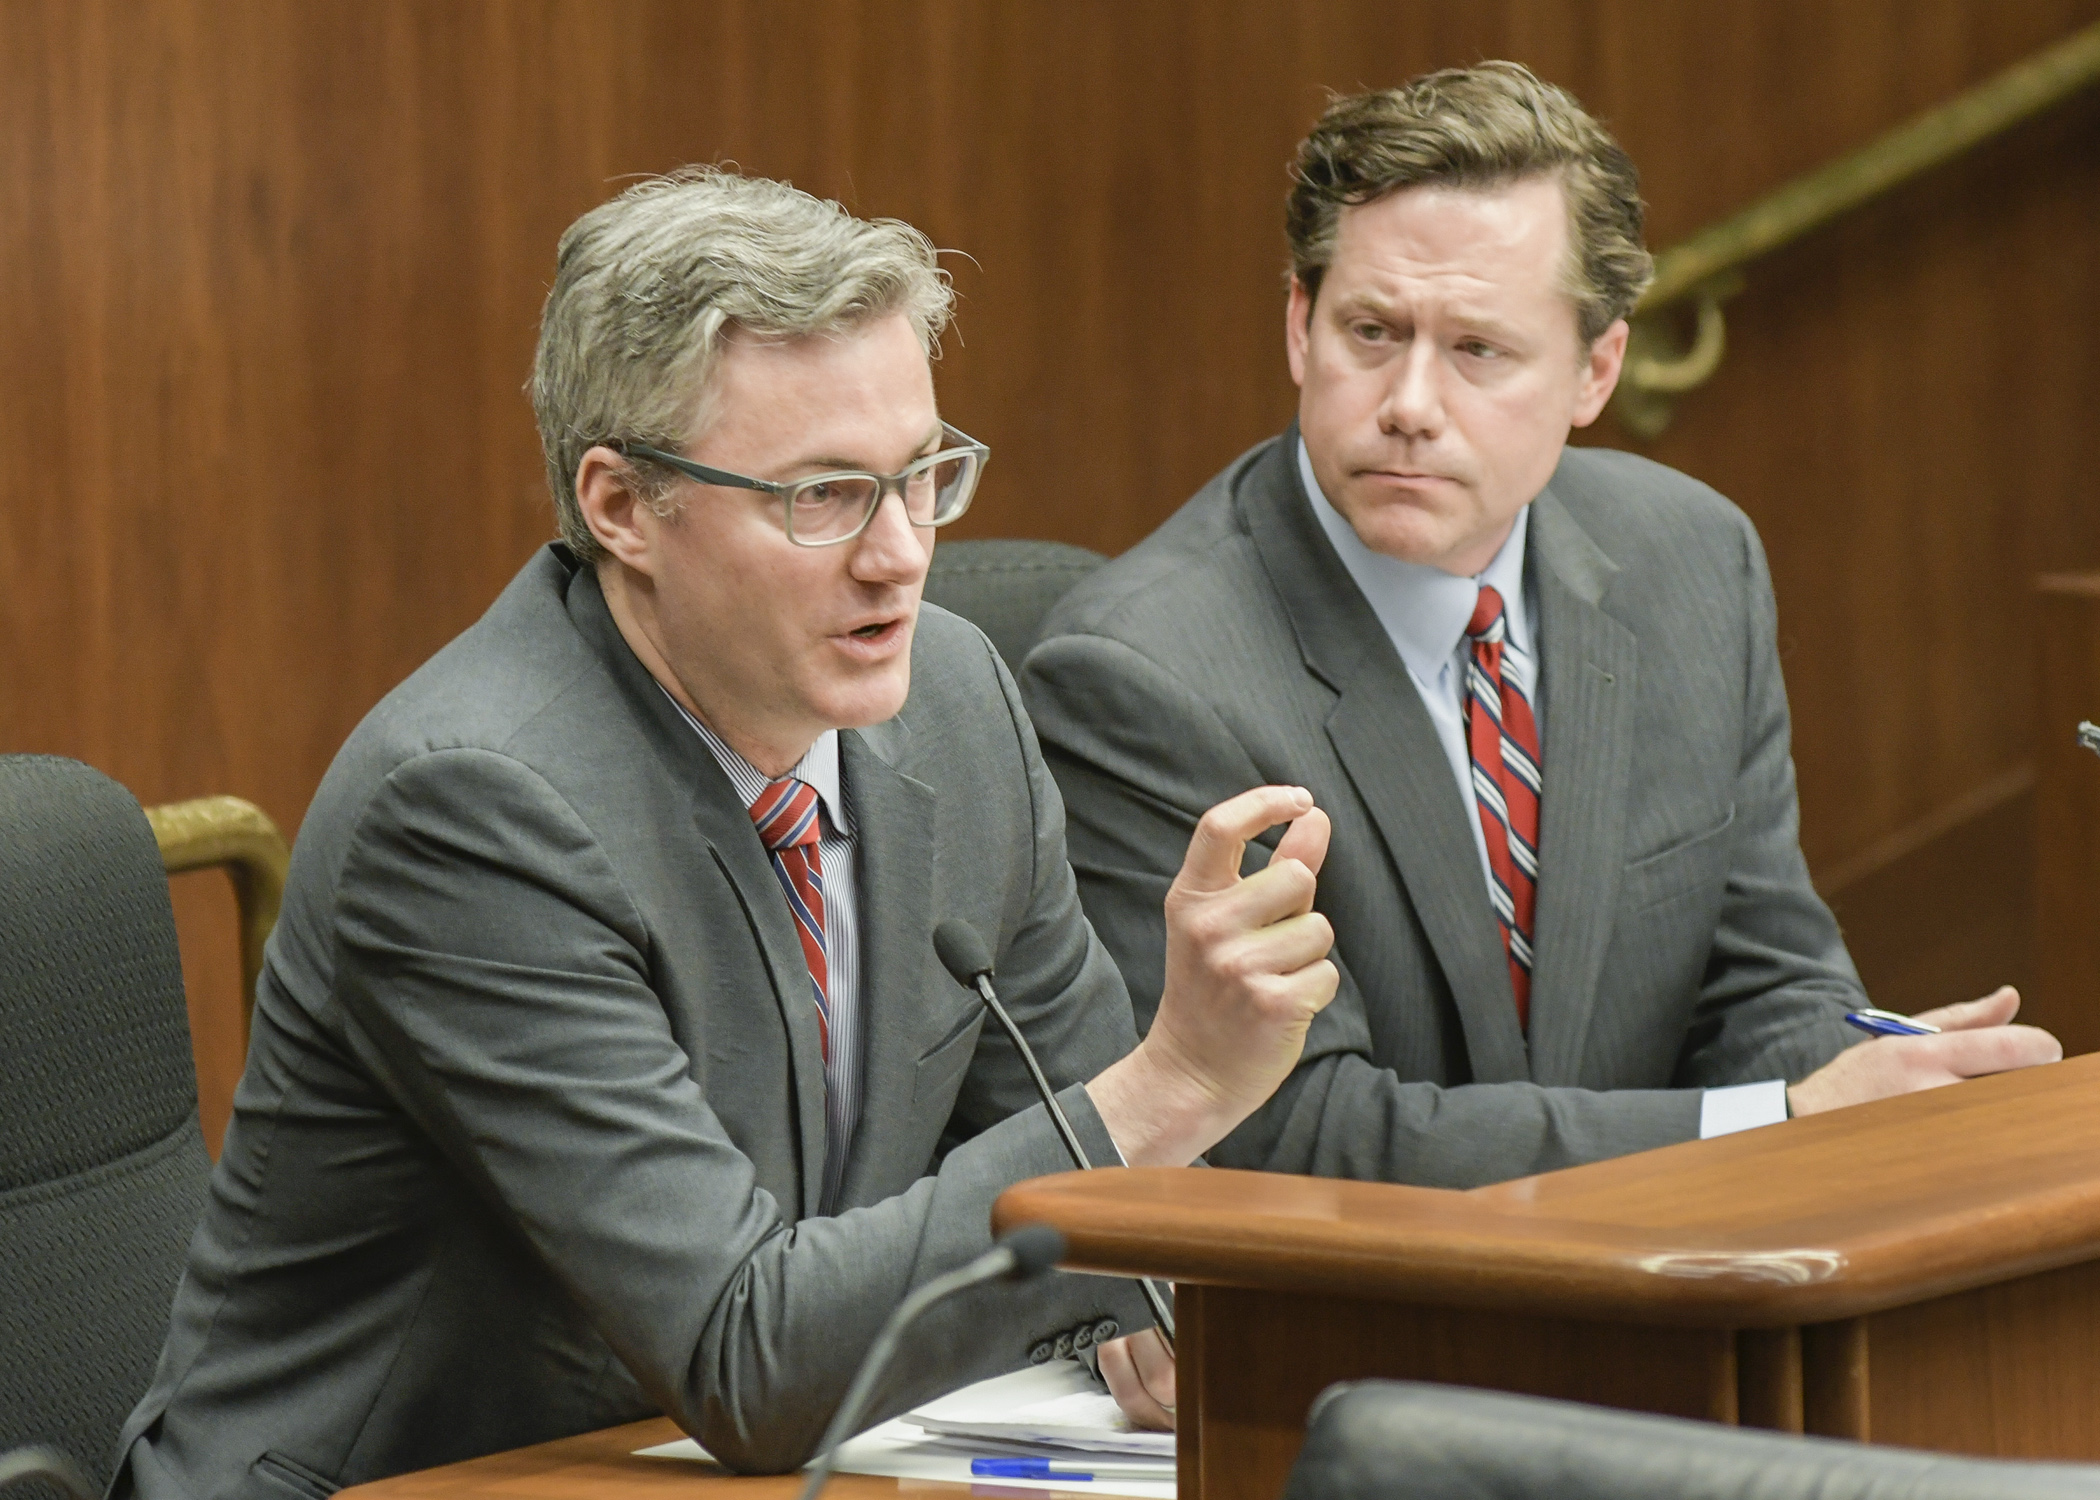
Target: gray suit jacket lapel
x=724 y=822
x=906 y=1001
x=1589 y=662
x=1390 y=750
x=721 y=819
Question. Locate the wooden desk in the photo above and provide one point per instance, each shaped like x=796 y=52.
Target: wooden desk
x=595 y=1466
x=1924 y=1270
x=602 y=1466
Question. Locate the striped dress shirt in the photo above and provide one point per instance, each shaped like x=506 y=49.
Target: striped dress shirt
x=1425 y=612
x=842 y=1069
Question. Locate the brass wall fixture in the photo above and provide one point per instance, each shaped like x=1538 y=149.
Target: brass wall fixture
x=237 y=835
x=1706 y=270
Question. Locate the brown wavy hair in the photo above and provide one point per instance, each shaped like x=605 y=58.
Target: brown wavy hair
x=1478 y=127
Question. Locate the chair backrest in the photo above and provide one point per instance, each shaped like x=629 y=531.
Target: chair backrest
x=102 y=1166
x=1394 y=1440
x=1005 y=588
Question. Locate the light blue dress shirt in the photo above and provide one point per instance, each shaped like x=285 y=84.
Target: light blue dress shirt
x=836 y=847
x=1425 y=612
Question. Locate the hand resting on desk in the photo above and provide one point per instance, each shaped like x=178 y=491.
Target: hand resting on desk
x=1974 y=1039
x=1140 y=1375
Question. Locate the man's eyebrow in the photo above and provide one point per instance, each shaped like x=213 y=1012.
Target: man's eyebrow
x=1366 y=302
x=928 y=444
x=1486 y=323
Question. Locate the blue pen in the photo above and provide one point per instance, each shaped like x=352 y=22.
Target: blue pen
x=1048 y=1468
x=1888 y=1023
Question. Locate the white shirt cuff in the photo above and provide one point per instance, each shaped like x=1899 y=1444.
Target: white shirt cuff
x=1743 y=1107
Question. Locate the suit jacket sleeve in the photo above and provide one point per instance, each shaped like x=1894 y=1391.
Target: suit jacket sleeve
x=494 y=977
x=1778 y=980
x=1139 y=756
x=1055 y=978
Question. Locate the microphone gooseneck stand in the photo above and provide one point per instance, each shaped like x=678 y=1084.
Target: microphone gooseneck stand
x=1026 y=1253
x=963 y=954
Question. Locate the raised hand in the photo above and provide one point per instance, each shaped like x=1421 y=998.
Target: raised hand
x=1246 y=972
x=1247 y=965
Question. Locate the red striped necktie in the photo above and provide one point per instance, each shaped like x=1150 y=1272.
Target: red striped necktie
x=786 y=815
x=1504 y=740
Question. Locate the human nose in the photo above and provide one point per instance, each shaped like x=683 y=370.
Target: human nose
x=890 y=549
x=1414 y=402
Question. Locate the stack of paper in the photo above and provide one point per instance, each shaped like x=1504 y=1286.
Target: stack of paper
x=1053 y=1411
x=1056 y=1405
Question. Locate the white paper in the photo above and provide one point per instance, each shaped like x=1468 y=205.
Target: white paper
x=1055 y=1404
x=1058 y=1399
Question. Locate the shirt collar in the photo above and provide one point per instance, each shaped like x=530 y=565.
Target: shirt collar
x=1425 y=610
x=819 y=767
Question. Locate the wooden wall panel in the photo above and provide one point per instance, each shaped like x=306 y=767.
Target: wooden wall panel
x=272 y=269
x=2067 y=809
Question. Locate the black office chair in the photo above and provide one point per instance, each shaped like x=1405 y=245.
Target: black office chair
x=44 y=1468
x=102 y=1165
x=1393 y=1440
x=1005 y=588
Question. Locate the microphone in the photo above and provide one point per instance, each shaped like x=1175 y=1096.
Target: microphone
x=963 y=955
x=1021 y=1256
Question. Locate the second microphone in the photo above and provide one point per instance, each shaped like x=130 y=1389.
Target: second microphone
x=963 y=953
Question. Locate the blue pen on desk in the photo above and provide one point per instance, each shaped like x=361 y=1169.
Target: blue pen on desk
x=1078 y=1473
x=1889 y=1023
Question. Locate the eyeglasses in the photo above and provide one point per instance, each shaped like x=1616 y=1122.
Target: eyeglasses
x=826 y=509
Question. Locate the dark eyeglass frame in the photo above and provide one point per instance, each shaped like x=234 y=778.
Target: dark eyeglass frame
x=962 y=445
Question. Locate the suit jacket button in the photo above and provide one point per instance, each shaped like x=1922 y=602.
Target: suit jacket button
x=1040 y=1354
x=1083 y=1336
x=1105 y=1330
x=1064 y=1346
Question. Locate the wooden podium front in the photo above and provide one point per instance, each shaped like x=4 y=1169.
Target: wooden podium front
x=1924 y=1271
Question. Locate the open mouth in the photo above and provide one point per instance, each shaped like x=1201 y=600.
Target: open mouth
x=876 y=637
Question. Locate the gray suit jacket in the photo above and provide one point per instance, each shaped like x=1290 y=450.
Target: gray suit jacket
x=531 y=1133
x=1679 y=943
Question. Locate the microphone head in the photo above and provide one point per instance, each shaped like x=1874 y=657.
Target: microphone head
x=962 y=952
x=1035 y=1249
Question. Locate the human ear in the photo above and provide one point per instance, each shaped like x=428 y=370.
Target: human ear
x=1600 y=374
x=605 y=494
x=1297 y=328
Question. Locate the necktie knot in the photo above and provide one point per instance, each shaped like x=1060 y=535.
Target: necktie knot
x=1488 y=623
x=786 y=814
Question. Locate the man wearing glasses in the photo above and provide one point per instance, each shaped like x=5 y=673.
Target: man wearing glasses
x=602 y=1061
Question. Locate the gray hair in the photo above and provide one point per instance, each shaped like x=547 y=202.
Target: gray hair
x=1478 y=127
x=649 y=286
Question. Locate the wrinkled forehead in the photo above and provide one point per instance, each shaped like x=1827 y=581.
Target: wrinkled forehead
x=1511 y=231
x=859 y=397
